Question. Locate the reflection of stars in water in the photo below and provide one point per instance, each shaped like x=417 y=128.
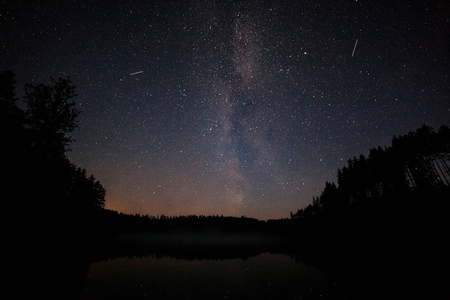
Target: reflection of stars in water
x=232 y=107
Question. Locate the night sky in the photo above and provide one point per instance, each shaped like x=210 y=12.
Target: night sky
x=232 y=107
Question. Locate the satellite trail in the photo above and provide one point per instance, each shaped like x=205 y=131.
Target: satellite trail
x=354 y=48
x=136 y=73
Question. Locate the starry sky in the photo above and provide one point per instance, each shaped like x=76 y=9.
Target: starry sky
x=232 y=107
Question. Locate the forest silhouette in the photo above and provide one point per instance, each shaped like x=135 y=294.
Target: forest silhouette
x=406 y=183
x=416 y=162
x=43 y=183
x=393 y=184
x=392 y=202
x=42 y=186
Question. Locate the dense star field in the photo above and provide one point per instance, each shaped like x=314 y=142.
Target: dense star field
x=232 y=107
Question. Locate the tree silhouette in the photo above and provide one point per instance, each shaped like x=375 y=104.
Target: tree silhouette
x=10 y=112
x=416 y=164
x=51 y=115
x=42 y=185
x=425 y=156
x=329 y=199
x=87 y=194
x=11 y=117
x=15 y=147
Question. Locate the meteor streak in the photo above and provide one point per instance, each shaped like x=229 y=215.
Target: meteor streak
x=354 y=48
x=139 y=72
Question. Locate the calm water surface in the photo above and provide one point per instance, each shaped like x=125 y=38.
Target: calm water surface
x=266 y=276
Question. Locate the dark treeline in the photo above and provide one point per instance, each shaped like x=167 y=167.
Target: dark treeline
x=51 y=205
x=382 y=226
x=400 y=182
x=46 y=194
x=387 y=211
x=406 y=183
x=112 y=222
x=416 y=162
x=410 y=177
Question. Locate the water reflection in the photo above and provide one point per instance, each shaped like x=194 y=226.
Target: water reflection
x=265 y=276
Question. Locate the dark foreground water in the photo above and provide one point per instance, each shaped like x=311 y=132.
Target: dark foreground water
x=265 y=276
x=229 y=267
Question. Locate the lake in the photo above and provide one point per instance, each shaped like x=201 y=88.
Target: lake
x=263 y=276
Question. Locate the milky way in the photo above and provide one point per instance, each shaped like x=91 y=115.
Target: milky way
x=233 y=107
